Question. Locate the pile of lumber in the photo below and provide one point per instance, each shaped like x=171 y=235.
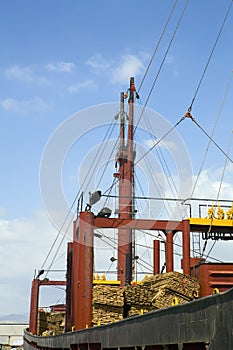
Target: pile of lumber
x=50 y=323
x=160 y=291
x=42 y=323
x=108 y=304
x=56 y=322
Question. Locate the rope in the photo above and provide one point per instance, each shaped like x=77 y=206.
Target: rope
x=107 y=163
x=60 y=231
x=219 y=190
x=210 y=56
x=224 y=168
x=210 y=250
x=163 y=164
x=212 y=133
x=162 y=63
x=223 y=152
x=157 y=46
x=161 y=139
x=107 y=134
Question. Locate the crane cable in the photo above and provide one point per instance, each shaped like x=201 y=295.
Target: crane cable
x=212 y=133
x=162 y=63
x=157 y=46
x=218 y=194
x=107 y=135
x=211 y=139
x=163 y=163
x=210 y=56
x=161 y=139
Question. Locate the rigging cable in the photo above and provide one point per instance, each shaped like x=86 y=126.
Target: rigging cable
x=153 y=176
x=210 y=56
x=109 y=131
x=165 y=168
x=107 y=163
x=162 y=63
x=161 y=139
x=212 y=140
x=224 y=168
x=160 y=155
x=157 y=46
x=212 y=133
x=220 y=186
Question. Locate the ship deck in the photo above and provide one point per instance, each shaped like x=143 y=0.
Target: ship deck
x=205 y=323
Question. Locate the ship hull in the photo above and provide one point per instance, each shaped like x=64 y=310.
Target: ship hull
x=205 y=323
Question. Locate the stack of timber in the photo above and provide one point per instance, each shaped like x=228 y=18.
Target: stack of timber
x=160 y=291
x=50 y=323
x=108 y=304
x=111 y=303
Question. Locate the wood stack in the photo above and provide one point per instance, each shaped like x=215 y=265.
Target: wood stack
x=50 y=323
x=108 y=304
x=42 y=322
x=56 y=322
x=160 y=291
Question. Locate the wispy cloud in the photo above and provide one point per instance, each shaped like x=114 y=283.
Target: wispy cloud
x=130 y=65
x=61 y=66
x=19 y=258
x=82 y=85
x=98 y=63
x=35 y=104
x=169 y=145
x=171 y=62
x=23 y=74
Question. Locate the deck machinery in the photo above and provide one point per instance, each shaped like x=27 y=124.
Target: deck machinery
x=79 y=282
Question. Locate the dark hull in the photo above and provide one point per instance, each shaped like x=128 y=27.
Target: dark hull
x=206 y=323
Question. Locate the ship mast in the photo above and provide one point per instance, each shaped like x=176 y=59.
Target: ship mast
x=125 y=158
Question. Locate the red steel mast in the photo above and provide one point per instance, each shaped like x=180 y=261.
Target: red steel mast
x=125 y=158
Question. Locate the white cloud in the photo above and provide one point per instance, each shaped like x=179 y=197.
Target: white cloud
x=61 y=66
x=23 y=74
x=169 y=145
x=36 y=104
x=130 y=65
x=24 y=244
x=98 y=63
x=82 y=85
x=209 y=184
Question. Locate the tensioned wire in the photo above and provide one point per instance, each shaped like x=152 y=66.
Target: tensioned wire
x=107 y=135
x=162 y=63
x=66 y=217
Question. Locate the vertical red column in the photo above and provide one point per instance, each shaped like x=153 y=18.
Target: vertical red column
x=34 y=306
x=83 y=271
x=75 y=276
x=156 y=244
x=186 y=247
x=68 y=320
x=169 y=252
x=126 y=173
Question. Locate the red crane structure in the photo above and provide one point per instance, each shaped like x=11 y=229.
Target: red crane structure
x=80 y=256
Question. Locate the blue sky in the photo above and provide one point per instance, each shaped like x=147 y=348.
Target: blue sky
x=61 y=57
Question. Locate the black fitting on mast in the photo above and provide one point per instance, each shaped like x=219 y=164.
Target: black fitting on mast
x=131 y=90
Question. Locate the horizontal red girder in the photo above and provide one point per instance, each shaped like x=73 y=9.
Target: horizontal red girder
x=52 y=283
x=140 y=224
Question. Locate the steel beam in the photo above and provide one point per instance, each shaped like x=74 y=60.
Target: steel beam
x=156 y=246
x=169 y=252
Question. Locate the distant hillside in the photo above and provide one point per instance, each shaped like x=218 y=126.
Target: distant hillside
x=15 y=318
